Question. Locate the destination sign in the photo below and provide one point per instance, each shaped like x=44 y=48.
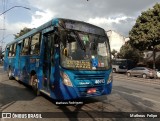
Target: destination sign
x=78 y=64
x=81 y=26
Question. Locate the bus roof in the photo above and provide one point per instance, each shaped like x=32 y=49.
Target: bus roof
x=119 y=59
x=70 y=24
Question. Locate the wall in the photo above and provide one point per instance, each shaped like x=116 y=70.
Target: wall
x=116 y=40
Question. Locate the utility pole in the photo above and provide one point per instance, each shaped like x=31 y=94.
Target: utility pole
x=6 y=12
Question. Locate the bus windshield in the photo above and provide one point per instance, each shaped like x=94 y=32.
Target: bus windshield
x=84 y=51
x=120 y=62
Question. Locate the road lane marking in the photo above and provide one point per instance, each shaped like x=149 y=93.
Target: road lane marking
x=147 y=82
x=144 y=98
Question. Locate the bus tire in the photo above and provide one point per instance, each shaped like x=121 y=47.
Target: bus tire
x=114 y=70
x=34 y=84
x=144 y=76
x=36 y=90
x=128 y=74
x=10 y=74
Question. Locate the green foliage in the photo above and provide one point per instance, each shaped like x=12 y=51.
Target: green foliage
x=114 y=52
x=22 y=32
x=146 y=31
x=128 y=52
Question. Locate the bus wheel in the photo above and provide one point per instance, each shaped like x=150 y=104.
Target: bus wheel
x=128 y=74
x=144 y=76
x=114 y=70
x=34 y=84
x=10 y=74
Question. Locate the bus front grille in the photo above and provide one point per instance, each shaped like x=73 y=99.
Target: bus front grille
x=89 y=76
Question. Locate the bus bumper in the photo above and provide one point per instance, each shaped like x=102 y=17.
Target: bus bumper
x=69 y=93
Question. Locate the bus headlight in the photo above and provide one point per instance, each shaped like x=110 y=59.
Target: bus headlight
x=110 y=79
x=66 y=79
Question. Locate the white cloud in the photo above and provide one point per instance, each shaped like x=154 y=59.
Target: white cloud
x=40 y=18
x=99 y=21
x=108 y=14
x=111 y=23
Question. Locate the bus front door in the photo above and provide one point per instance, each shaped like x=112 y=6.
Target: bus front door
x=17 y=62
x=47 y=62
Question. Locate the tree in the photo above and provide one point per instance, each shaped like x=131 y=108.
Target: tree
x=128 y=52
x=22 y=32
x=145 y=34
x=114 y=53
x=119 y=55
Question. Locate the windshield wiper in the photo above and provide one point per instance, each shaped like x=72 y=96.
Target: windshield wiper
x=80 y=41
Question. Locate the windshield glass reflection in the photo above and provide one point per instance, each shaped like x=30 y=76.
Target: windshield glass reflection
x=84 y=51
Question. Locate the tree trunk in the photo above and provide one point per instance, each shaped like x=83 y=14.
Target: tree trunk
x=154 y=58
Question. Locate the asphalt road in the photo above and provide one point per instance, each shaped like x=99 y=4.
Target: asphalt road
x=128 y=95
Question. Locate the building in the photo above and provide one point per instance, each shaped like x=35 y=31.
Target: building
x=116 y=40
x=148 y=56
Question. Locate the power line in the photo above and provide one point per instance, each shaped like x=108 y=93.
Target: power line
x=14 y=7
x=4 y=11
x=3 y=34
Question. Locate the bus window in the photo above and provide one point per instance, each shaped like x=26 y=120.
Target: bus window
x=82 y=48
x=35 y=44
x=9 y=53
x=25 y=49
x=14 y=50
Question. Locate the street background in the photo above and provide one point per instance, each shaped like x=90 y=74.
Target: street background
x=128 y=95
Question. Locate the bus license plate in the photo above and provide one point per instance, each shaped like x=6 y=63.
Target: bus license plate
x=91 y=90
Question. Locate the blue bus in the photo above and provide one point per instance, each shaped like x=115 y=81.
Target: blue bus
x=64 y=59
x=122 y=65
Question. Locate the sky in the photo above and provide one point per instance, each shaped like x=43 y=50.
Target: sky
x=116 y=15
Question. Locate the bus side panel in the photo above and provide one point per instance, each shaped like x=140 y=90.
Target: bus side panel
x=11 y=64
x=55 y=77
x=58 y=90
x=16 y=71
x=40 y=64
x=24 y=69
x=36 y=66
x=107 y=89
x=39 y=73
